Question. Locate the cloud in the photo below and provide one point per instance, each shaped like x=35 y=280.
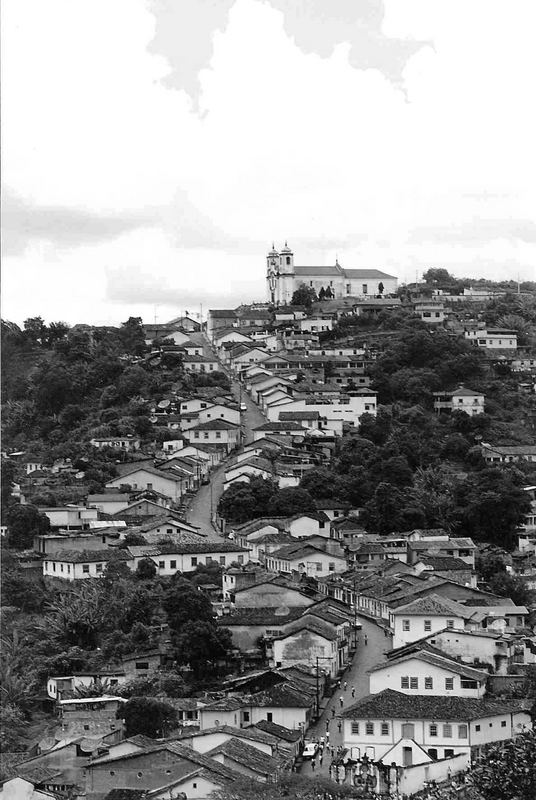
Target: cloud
x=25 y=223
x=478 y=231
x=185 y=30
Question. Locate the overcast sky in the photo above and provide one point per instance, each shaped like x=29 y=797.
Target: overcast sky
x=152 y=149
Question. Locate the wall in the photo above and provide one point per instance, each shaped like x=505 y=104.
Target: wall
x=269 y=596
x=195 y=788
x=146 y=771
x=382 y=744
x=145 y=480
x=413 y=778
x=417 y=630
x=211 y=719
x=390 y=678
x=303 y=647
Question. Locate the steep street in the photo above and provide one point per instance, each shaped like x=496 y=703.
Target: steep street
x=367 y=655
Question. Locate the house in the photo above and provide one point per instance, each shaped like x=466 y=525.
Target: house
x=199 y=363
x=143 y=663
x=442 y=726
x=187 y=556
x=427 y=672
x=63 y=687
x=169 y=527
x=426 y=615
x=73 y=565
x=69 y=517
x=158 y=767
x=19 y=789
x=430 y=312
x=219 y=432
x=128 y=443
x=247 y=759
x=219 y=411
x=346 y=409
x=286 y=704
x=91 y=716
x=505 y=454
x=305 y=559
x=274 y=591
x=219 y=319
x=109 y=502
x=45 y=543
x=307 y=419
x=455 y=569
x=147 y=477
x=461 y=399
x=492 y=338
x=308 y=641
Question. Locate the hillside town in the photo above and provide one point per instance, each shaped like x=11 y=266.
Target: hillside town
x=292 y=541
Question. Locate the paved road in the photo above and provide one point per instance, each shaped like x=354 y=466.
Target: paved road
x=366 y=656
x=206 y=499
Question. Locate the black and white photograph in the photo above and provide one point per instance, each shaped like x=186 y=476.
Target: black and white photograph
x=268 y=400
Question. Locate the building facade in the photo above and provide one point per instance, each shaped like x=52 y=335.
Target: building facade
x=283 y=278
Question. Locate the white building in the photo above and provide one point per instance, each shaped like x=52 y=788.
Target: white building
x=283 y=278
x=427 y=674
x=461 y=399
x=128 y=443
x=426 y=615
x=72 y=565
x=492 y=338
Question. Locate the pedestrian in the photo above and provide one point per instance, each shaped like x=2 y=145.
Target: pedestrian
x=366 y=640
x=332 y=712
x=339 y=726
x=345 y=685
x=321 y=742
x=321 y=758
x=341 y=700
x=313 y=764
x=327 y=738
x=327 y=726
x=353 y=692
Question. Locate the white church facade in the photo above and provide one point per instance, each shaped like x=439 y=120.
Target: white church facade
x=283 y=277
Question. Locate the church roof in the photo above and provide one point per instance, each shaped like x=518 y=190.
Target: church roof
x=335 y=270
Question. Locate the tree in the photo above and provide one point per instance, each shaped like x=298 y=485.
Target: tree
x=35 y=330
x=200 y=644
x=148 y=716
x=183 y=602
x=146 y=569
x=507 y=771
x=436 y=275
x=24 y=522
x=132 y=337
x=289 y=501
x=297 y=787
x=511 y=586
x=13 y=727
x=304 y=296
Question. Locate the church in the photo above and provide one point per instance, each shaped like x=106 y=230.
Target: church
x=283 y=278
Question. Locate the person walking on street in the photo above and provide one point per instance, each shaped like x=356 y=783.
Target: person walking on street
x=353 y=692
x=339 y=726
x=366 y=640
x=341 y=701
x=313 y=764
x=332 y=712
x=321 y=758
x=345 y=685
x=327 y=726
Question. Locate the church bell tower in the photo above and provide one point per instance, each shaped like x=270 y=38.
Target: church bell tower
x=272 y=273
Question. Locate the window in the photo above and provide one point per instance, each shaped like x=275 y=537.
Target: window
x=428 y=683
x=240 y=559
x=140 y=774
x=332 y=566
x=449 y=684
x=194 y=561
x=142 y=665
x=433 y=729
x=447 y=731
x=369 y=728
x=318 y=566
x=222 y=560
x=173 y=564
x=365 y=288
x=149 y=485
x=450 y=623
x=408 y=730
x=169 y=530
x=413 y=683
x=99 y=567
x=85 y=569
x=405 y=624
x=355 y=727
x=86 y=727
x=270 y=716
x=246 y=716
x=205 y=435
x=468 y=684
x=462 y=731
x=427 y=624
x=404 y=682
x=161 y=564
x=477 y=727
x=503 y=723
x=385 y=729
x=449 y=753
x=218 y=435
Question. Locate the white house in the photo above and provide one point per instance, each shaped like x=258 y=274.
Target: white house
x=442 y=726
x=426 y=673
x=346 y=409
x=426 y=615
x=70 y=517
x=492 y=338
x=218 y=431
x=310 y=639
x=460 y=399
x=149 y=478
x=128 y=443
x=73 y=565
x=431 y=312
x=219 y=411
x=109 y=503
x=187 y=556
x=306 y=559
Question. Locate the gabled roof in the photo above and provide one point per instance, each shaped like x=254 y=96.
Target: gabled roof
x=246 y=755
x=396 y=705
x=144 y=468
x=87 y=556
x=280 y=426
x=435 y=659
x=216 y=425
x=280 y=731
x=434 y=606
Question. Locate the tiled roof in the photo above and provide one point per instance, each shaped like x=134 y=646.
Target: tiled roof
x=433 y=605
x=435 y=659
x=297 y=415
x=86 y=556
x=280 y=426
x=247 y=755
x=184 y=548
x=261 y=616
x=216 y=425
x=312 y=624
x=445 y=562
x=282 y=695
x=280 y=731
x=396 y=705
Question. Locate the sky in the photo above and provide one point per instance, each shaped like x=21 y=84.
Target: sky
x=154 y=149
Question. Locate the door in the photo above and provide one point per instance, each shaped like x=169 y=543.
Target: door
x=408 y=730
x=407 y=756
